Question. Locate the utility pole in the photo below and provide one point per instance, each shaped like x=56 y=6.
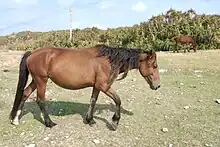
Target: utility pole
x=70 y=11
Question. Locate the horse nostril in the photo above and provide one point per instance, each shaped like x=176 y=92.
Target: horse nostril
x=158 y=86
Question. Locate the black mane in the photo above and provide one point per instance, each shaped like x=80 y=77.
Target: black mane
x=121 y=58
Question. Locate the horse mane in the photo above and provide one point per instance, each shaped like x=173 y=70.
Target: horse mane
x=121 y=58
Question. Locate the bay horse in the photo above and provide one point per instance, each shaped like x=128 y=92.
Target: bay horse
x=73 y=69
x=184 y=40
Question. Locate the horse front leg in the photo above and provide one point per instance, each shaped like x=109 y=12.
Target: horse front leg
x=117 y=115
x=89 y=115
x=104 y=84
x=176 y=49
x=194 y=47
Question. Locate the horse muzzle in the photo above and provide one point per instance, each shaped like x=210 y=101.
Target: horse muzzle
x=154 y=85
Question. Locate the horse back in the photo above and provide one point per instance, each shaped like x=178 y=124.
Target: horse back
x=184 y=39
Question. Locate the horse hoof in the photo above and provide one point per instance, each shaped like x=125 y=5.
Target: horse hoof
x=91 y=121
x=50 y=124
x=114 y=126
x=15 y=122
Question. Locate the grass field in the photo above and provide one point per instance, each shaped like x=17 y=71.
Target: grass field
x=184 y=105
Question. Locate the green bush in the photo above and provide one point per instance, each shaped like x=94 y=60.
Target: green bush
x=154 y=34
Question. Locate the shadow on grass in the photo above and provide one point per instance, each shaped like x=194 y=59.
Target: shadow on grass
x=63 y=108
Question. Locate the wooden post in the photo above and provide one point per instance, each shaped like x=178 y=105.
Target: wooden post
x=70 y=11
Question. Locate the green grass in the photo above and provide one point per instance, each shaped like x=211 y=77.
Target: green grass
x=145 y=112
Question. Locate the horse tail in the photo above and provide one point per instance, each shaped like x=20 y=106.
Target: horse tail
x=23 y=78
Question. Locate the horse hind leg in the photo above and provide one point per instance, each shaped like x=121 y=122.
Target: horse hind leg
x=27 y=92
x=41 y=89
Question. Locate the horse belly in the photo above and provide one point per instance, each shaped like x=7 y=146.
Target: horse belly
x=73 y=80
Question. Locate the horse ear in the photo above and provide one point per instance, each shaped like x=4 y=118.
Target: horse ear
x=147 y=55
x=150 y=54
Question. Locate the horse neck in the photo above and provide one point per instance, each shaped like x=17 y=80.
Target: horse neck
x=124 y=69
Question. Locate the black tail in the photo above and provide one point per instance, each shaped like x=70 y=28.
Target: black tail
x=23 y=78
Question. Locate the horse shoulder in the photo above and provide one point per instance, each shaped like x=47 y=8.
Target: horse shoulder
x=103 y=69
